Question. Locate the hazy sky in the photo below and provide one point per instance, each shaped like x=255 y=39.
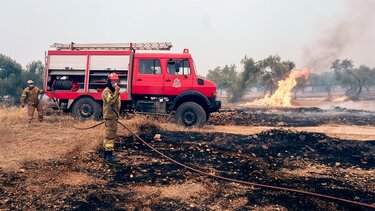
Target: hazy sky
x=216 y=32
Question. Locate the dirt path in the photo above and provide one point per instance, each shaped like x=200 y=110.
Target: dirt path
x=349 y=132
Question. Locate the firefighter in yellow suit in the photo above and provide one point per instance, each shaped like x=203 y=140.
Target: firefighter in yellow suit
x=111 y=113
x=30 y=96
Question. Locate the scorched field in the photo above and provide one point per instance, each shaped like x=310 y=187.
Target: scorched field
x=53 y=166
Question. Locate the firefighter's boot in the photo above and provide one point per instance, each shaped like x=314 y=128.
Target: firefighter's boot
x=109 y=157
x=104 y=155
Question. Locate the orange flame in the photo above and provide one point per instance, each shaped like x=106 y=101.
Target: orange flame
x=282 y=96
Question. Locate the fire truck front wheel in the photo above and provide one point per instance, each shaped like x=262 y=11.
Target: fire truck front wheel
x=87 y=108
x=190 y=114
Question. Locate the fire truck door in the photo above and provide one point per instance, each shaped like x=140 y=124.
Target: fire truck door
x=148 y=77
x=179 y=77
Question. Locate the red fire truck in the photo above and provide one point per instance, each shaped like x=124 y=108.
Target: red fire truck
x=151 y=81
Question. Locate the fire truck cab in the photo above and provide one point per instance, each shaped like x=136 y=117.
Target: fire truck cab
x=151 y=80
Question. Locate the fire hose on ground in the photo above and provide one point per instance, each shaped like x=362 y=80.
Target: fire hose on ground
x=86 y=128
x=235 y=180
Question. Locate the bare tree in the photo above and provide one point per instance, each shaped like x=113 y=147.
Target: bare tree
x=351 y=78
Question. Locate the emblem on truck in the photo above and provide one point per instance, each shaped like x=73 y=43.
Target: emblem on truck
x=176 y=83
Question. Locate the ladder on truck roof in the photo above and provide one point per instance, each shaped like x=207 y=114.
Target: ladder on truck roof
x=114 y=46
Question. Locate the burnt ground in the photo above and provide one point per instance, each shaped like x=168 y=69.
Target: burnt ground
x=288 y=117
x=142 y=180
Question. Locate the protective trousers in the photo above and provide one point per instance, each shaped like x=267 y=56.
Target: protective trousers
x=110 y=134
x=31 y=110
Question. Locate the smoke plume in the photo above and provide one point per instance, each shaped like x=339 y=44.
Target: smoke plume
x=351 y=36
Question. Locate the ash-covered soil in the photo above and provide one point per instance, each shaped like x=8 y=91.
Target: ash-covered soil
x=142 y=180
x=292 y=117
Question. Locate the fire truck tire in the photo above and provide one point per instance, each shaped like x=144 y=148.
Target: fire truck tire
x=87 y=108
x=190 y=114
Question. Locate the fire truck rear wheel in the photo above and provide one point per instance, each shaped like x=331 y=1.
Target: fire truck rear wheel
x=87 y=108
x=190 y=114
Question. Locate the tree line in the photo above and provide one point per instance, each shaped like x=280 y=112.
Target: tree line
x=13 y=77
x=265 y=74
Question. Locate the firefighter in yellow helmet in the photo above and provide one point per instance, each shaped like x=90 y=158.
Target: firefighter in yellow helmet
x=30 y=96
x=111 y=113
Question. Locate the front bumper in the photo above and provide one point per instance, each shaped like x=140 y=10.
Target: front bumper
x=215 y=105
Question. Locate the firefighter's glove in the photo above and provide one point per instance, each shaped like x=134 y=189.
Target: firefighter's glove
x=117 y=88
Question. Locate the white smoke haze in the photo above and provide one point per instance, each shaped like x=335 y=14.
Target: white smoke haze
x=351 y=36
x=367 y=106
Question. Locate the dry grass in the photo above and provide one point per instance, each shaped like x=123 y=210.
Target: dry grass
x=17 y=115
x=12 y=115
x=54 y=138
